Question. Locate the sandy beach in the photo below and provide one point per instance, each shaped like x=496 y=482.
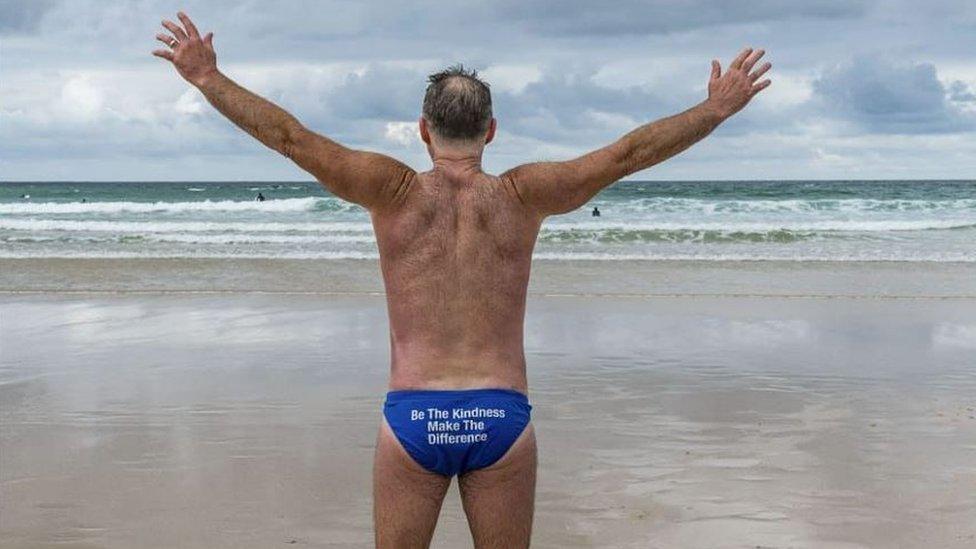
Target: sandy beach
x=816 y=409
x=750 y=317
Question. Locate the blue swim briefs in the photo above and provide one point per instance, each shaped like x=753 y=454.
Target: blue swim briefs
x=453 y=432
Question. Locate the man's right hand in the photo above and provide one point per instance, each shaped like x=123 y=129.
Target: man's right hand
x=559 y=187
x=728 y=93
x=193 y=56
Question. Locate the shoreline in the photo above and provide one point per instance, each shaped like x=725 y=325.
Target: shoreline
x=217 y=293
x=552 y=278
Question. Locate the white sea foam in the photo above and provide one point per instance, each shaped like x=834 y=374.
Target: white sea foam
x=759 y=256
x=889 y=225
x=34 y=224
x=262 y=239
x=276 y=205
x=256 y=253
x=636 y=206
x=864 y=225
x=277 y=187
x=632 y=228
x=46 y=254
x=849 y=205
x=191 y=238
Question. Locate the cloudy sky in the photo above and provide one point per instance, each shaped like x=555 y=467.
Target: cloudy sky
x=861 y=89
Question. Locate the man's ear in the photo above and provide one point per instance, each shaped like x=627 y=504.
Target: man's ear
x=424 y=132
x=491 y=131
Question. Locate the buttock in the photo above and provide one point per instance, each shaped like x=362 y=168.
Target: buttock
x=454 y=432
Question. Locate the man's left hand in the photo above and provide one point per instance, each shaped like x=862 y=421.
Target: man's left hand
x=192 y=55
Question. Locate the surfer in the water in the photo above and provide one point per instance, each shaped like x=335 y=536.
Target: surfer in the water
x=455 y=251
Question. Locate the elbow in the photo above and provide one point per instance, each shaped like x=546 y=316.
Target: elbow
x=627 y=160
x=289 y=139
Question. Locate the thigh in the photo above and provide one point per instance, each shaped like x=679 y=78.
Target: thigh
x=406 y=497
x=499 y=500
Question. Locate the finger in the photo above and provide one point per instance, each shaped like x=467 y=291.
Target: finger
x=167 y=39
x=191 y=29
x=761 y=71
x=751 y=60
x=737 y=62
x=165 y=54
x=175 y=29
x=760 y=86
x=208 y=39
x=716 y=69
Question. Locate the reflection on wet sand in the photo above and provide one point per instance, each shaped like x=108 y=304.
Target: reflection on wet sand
x=248 y=421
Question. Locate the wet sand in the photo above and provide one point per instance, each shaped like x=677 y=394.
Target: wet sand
x=581 y=277
x=136 y=420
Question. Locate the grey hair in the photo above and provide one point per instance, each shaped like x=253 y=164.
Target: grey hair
x=457 y=104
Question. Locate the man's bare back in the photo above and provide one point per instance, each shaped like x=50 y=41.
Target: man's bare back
x=455 y=255
x=455 y=252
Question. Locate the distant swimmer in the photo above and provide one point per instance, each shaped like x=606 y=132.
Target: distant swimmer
x=596 y=211
x=25 y=196
x=259 y=197
x=455 y=246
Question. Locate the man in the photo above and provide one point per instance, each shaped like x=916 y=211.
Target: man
x=455 y=251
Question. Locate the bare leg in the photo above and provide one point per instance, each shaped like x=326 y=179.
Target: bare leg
x=499 y=500
x=406 y=497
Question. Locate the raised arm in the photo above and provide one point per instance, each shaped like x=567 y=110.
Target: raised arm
x=560 y=187
x=369 y=179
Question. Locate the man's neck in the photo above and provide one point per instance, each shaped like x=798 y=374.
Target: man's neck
x=457 y=163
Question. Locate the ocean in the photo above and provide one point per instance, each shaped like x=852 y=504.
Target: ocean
x=913 y=221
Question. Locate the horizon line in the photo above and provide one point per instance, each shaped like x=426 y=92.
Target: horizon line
x=312 y=181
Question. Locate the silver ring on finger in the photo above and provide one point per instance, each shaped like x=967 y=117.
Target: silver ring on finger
x=174 y=43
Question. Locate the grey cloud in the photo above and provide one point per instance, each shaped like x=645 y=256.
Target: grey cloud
x=380 y=93
x=578 y=17
x=589 y=54
x=945 y=12
x=178 y=136
x=570 y=107
x=560 y=107
x=961 y=93
x=886 y=97
x=18 y=16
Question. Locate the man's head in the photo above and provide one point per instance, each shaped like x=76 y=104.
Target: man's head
x=457 y=110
